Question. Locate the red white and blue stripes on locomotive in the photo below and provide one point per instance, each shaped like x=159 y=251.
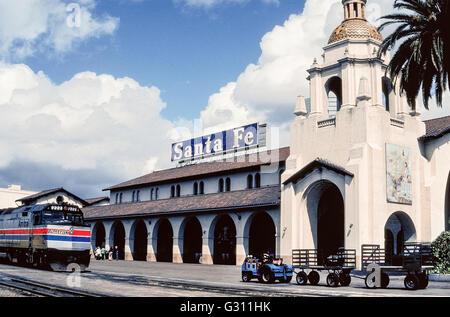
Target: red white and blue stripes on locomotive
x=45 y=234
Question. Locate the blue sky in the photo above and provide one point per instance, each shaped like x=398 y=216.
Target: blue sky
x=91 y=106
x=188 y=52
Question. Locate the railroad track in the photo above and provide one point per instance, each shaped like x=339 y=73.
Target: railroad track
x=43 y=290
x=232 y=291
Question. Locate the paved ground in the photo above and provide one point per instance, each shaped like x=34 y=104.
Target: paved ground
x=137 y=279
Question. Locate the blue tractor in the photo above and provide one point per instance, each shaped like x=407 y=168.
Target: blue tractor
x=266 y=270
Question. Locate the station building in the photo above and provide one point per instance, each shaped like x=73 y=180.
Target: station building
x=211 y=213
x=362 y=168
x=370 y=171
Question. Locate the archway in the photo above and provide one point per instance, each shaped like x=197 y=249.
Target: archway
x=164 y=248
x=140 y=241
x=325 y=206
x=119 y=239
x=192 y=241
x=99 y=235
x=399 y=229
x=225 y=241
x=334 y=94
x=262 y=235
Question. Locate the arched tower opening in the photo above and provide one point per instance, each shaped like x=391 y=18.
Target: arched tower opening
x=333 y=89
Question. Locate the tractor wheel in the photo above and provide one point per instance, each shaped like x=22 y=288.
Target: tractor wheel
x=345 y=279
x=267 y=276
x=411 y=282
x=333 y=280
x=287 y=280
x=246 y=277
x=313 y=277
x=301 y=278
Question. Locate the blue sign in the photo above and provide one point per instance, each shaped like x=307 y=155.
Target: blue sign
x=237 y=138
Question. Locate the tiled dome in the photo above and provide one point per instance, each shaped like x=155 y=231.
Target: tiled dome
x=355 y=29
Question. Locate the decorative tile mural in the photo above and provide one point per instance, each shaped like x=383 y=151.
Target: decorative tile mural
x=398 y=174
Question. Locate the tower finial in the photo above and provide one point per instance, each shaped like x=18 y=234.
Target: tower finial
x=354 y=9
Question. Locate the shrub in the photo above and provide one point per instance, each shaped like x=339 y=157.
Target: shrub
x=441 y=251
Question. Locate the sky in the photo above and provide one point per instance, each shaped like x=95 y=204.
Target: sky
x=93 y=92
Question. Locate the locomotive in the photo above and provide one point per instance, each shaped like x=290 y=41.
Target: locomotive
x=50 y=234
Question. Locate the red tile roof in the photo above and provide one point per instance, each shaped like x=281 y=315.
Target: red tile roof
x=436 y=127
x=244 y=199
x=92 y=201
x=207 y=169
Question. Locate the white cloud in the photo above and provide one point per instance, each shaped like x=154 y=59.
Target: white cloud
x=267 y=90
x=212 y=3
x=27 y=26
x=91 y=122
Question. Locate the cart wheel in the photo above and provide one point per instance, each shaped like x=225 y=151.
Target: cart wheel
x=370 y=282
x=423 y=280
x=301 y=278
x=313 y=277
x=384 y=280
x=411 y=282
x=246 y=277
x=333 y=280
x=345 y=279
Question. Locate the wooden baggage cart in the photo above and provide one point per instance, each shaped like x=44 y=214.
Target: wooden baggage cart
x=310 y=262
x=415 y=261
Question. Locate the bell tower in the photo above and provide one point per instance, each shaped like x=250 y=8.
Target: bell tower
x=354 y=9
x=350 y=60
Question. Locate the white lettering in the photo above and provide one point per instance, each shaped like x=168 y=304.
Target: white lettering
x=237 y=136
x=208 y=145
x=177 y=149
x=188 y=151
x=249 y=137
x=192 y=307
x=218 y=145
x=198 y=149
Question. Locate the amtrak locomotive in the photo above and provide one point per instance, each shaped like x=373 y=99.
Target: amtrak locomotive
x=48 y=234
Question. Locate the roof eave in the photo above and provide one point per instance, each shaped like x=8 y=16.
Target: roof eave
x=180 y=212
x=317 y=163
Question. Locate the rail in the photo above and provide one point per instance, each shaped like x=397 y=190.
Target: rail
x=44 y=290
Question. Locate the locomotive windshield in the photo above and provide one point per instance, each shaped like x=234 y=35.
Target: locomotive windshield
x=58 y=215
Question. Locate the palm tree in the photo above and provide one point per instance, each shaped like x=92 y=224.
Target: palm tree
x=423 y=56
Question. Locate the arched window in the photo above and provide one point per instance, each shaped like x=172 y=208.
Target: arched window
x=250 y=181
x=156 y=193
x=195 y=188
x=117 y=198
x=257 y=180
x=228 y=184
x=152 y=192
x=178 y=190
x=202 y=188
x=172 y=191
x=133 y=196
x=120 y=198
x=137 y=195
x=334 y=93
x=221 y=187
x=387 y=90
